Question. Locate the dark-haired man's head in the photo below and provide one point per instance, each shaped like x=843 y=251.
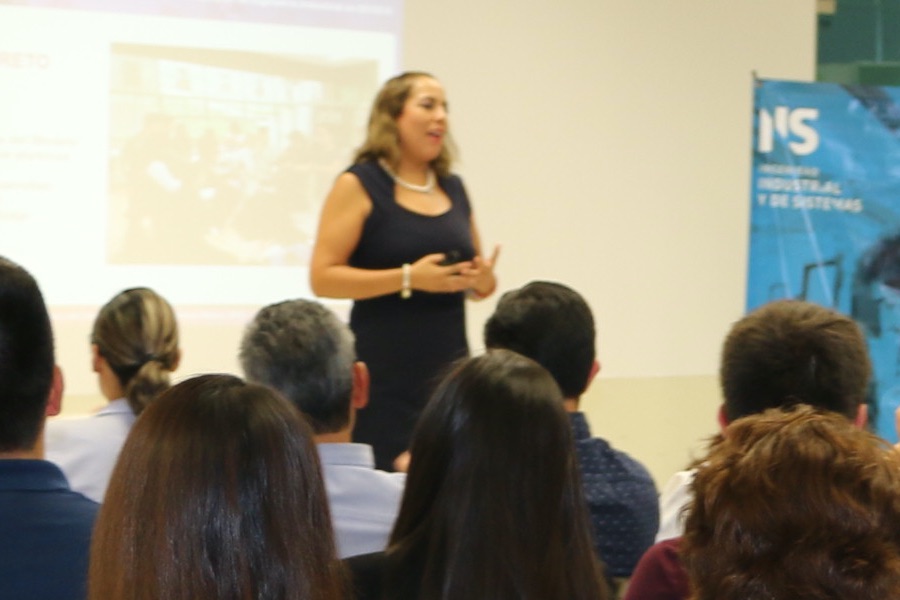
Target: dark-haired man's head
x=30 y=384
x=301 y=349
x=792 y=352
x=552 y=325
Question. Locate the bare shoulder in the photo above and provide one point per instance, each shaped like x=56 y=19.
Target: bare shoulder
x=348 y=188
x=340 y=225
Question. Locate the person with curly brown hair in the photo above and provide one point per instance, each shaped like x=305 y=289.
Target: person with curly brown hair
x=795 y=505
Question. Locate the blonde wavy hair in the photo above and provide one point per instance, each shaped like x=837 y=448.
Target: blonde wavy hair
x=382 y=140
x=136 y=332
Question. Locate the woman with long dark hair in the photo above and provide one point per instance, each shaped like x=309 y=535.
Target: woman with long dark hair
x=493 y=505
x=217 y=495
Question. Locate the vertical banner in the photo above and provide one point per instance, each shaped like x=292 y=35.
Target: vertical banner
x=825 y=213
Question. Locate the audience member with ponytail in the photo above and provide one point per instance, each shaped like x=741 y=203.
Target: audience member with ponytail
x=134 y=348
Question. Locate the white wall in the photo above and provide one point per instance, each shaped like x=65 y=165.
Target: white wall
x=606 y=145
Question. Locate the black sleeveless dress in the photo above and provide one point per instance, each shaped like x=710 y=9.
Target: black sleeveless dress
x=407 y=344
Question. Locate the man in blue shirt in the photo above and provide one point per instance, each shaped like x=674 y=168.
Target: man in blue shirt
x=301 y=349
x=45 y=527
x=553 y=325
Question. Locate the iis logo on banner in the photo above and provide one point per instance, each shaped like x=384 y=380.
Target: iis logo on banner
x=791 y=125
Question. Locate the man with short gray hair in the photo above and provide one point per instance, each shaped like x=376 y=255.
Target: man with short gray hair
x=304 y=351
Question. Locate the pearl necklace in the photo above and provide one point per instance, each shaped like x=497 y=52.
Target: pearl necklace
x=427 y=188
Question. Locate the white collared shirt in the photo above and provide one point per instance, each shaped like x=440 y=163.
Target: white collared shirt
x=364 y=501
x=86 y=448
x=675 y=498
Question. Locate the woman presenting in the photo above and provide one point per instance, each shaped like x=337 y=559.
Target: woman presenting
x=397 y=235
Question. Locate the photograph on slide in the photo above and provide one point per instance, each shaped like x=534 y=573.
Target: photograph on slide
x=229 y=152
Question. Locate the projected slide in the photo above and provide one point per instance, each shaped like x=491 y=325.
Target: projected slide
x=183 y=145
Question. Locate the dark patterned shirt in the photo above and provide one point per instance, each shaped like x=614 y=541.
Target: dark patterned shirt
x=621 y=497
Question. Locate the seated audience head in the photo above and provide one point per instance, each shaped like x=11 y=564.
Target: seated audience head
x=792 y=352
x=30 y=384
x=135 y=343
x=301 y=349
x=552 y=325
x=217 y=493
x=795 y=504
x=493 y=505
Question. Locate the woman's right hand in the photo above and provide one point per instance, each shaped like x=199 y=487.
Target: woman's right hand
x=428 y=275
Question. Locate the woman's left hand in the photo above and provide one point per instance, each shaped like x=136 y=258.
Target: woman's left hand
x=482 y=272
